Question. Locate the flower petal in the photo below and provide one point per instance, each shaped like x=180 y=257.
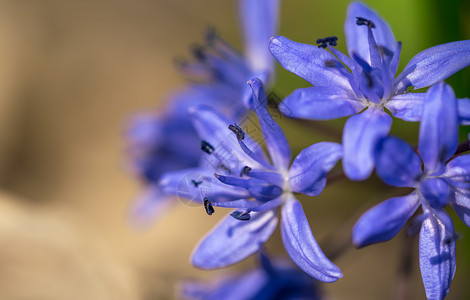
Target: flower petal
x=436 y=191
x=397 y=163
x=433 y=65
x=275 y=139
x=259 y=20
x=383 y=221
x=227 y=286
x=320 y=103
x=232 y=240
x=310 y=62
x=150 y=205
x=158 y=143
x=360 y=136
x=408 y=107
x=197 y=184
x=464 y=111
x=307 y=175
x=250 y=205
x=357 y=36
x=458 y=169
x=437 y=255
x=301 y=245
x=461 y=204
x=438 y=133
x=212 y=127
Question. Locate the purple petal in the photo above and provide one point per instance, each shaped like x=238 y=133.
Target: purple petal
x=301 y=245
x=259 y=20
x=196 y=184
x=438 y=133
x=360 y=136
x=307 y=174
x=149 y=206
x=251 y=205
x=310 y=62
x=320 y=103
x=458 y=169
x=383 y=221
x=357 y=36
x=433 y=65
x=232 y=240
x=461 y=204
x=464 y=111
x=233 y=286
x=212 y=127
x=397 y=163
x=436 y=191
x=437 y=255
x=408 y=107
x=275 y=139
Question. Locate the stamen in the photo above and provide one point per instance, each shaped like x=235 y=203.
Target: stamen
x=240 y=215
x=208 y=207
x=245 y=171
x=361 y=21
x=206 y=147
x=238 y=131
x=211 y=34
x=196 y=183
x=328 y=41
x=198 y=52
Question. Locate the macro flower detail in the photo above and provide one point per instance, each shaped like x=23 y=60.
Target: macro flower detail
x=273 y=279
x=163 y=142
x=365 y=83
x=239 y=175
x=440 y=183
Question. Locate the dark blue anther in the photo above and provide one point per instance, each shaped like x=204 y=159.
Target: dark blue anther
x=328 y=41
x=208 y=207
x=240 y=215
x=245 y=171
x=196 y=183
x=238 y=131
x=361 y=21
x=206 y=147
x=198 y=52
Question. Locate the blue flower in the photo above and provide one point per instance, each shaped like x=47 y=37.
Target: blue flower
x=368 y=86
x=236 y=173
x=440 y=183
x=163 y=141
x=272 y=280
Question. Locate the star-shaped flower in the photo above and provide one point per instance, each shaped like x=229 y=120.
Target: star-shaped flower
x=364 y=83
x=236 y=173
x=441 y=182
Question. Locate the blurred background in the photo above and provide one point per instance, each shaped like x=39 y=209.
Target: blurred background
x=72 y=74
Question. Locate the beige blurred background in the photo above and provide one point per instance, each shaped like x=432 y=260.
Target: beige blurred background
x=72 y=73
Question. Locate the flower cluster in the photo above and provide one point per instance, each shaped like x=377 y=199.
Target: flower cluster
x=232 y=170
